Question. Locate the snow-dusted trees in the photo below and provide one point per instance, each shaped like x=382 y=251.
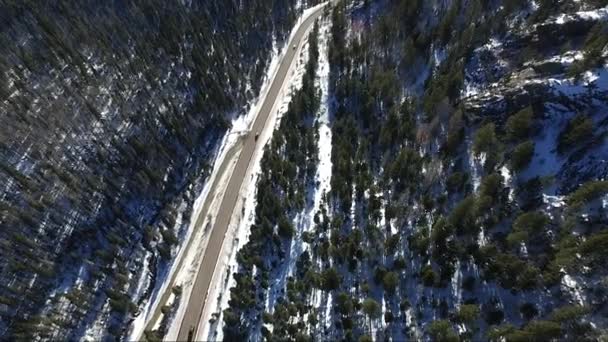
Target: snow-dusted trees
x=445 y=187
x=108 y=114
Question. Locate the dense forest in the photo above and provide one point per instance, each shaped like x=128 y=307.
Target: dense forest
x=468 y=196
x=110 y=116
x=439 y=175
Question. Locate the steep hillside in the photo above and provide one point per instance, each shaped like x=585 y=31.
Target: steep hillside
x=468 y=197
x=111 y=114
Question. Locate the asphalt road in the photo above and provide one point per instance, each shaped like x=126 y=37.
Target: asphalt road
x=198 y=297
x=197 y=227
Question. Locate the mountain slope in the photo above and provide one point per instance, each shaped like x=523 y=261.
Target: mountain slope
x=111 y=114
x=468 y=190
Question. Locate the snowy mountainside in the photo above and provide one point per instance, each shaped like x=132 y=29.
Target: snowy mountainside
x=111 y=115
x=468 y=197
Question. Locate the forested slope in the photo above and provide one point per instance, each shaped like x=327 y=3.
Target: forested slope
x=110 y=115
x=468 y=196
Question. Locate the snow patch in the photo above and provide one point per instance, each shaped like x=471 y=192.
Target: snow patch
x=570 y=285
x=593 y=15
x=506 y=175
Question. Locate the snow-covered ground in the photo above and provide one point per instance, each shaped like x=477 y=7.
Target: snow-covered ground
x=320 y=300
x=597 y=14
x=324 y=143
x=565 y=58
x=278 y=284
